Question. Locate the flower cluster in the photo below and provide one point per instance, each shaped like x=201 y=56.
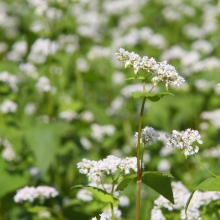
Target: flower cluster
x=184 y=140
x=31 y=193
x=95 y=170
x=181 y=195
x=148 y=135
x=161 y=70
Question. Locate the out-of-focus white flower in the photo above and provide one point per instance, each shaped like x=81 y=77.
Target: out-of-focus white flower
x=68 y=115
x=19 y=49
x=202 y=46
x=148 y=135
x=43 y=84
x=82 y=64
x=184 y=140
x=9 y=79
x=95 y=170
x=30 y=108
x=87 y=116
x=212 y=116
x=31 y=193
x=84 y=195
x=29 y=69
x=40 y=6
x=124 y=201
x=41 y=49
x=85 y=143
x=44 y=214
x=118 y=78
x=163 y=165
x=99 y=131
x=9 y=154
x=8 y=106
x=3 y=47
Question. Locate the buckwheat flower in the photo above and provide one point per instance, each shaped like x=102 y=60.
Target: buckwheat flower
x=108 y=214
x=184 y=140
x=148 y=135
x=161 y=71
x=43 y=84
x=9 y=154
x=26 y=194
x=30 y=108
x=29 y=69
x=96 y=170
x=124 y=201
x=84 y=195
x=8 y=106
x=68 y=115
x=44 y=214
x=94 y=218
x=46 y=192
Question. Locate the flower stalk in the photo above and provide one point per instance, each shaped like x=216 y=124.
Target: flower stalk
x=139 y=173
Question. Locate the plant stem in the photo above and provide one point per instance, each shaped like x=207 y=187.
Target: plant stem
x=138 y=192
x=204 y=167
x=112 y=211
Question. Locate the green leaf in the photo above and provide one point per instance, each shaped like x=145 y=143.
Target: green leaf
x=160 y=182
x=210 y=184
x=37 y=209
x=125 y=181
x=9 y=182
x=151 y=96
x=99 y=194
x=44 y=140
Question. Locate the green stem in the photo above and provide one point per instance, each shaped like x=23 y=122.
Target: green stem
x=204 y=167
x=112 y=211
x=138 y=195
x=142 y=157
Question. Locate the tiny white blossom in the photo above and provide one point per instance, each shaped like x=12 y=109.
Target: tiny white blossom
x=43 y=84
x=68 y=115
x=31 y=193
x=8 y=106
x=184 y=140
x=162 y=71
x=148 y=135
x=96 y=170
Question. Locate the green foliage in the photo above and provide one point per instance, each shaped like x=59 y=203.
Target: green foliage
x=160 y=182
x=100 y=194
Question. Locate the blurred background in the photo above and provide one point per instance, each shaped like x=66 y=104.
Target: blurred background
x=64 y=97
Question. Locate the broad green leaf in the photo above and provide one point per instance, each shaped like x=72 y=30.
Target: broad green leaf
x=44 y=141
x=37 y=209
x=160 y=182
x=210 y=184
x=9 y=182
x=125 y=181
x=151 y=96
x=99 y=194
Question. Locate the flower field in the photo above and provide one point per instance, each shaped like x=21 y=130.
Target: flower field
x=109 y=109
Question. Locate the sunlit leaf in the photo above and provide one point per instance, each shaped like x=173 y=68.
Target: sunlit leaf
x=125 y=181
x=160 y=182
x=210 y=184
x=151 y=96
x=99 y=194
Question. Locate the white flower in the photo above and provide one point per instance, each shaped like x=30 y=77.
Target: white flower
x=30 y=108
x=9 y=154
x=161 y=70
x=96 y=170
x=8 y=106
x=184 y=140
x=84 y=195
x=31 y=193
x=67 y=115
x=148 y=135
x=43 y=84
x=99 y=131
